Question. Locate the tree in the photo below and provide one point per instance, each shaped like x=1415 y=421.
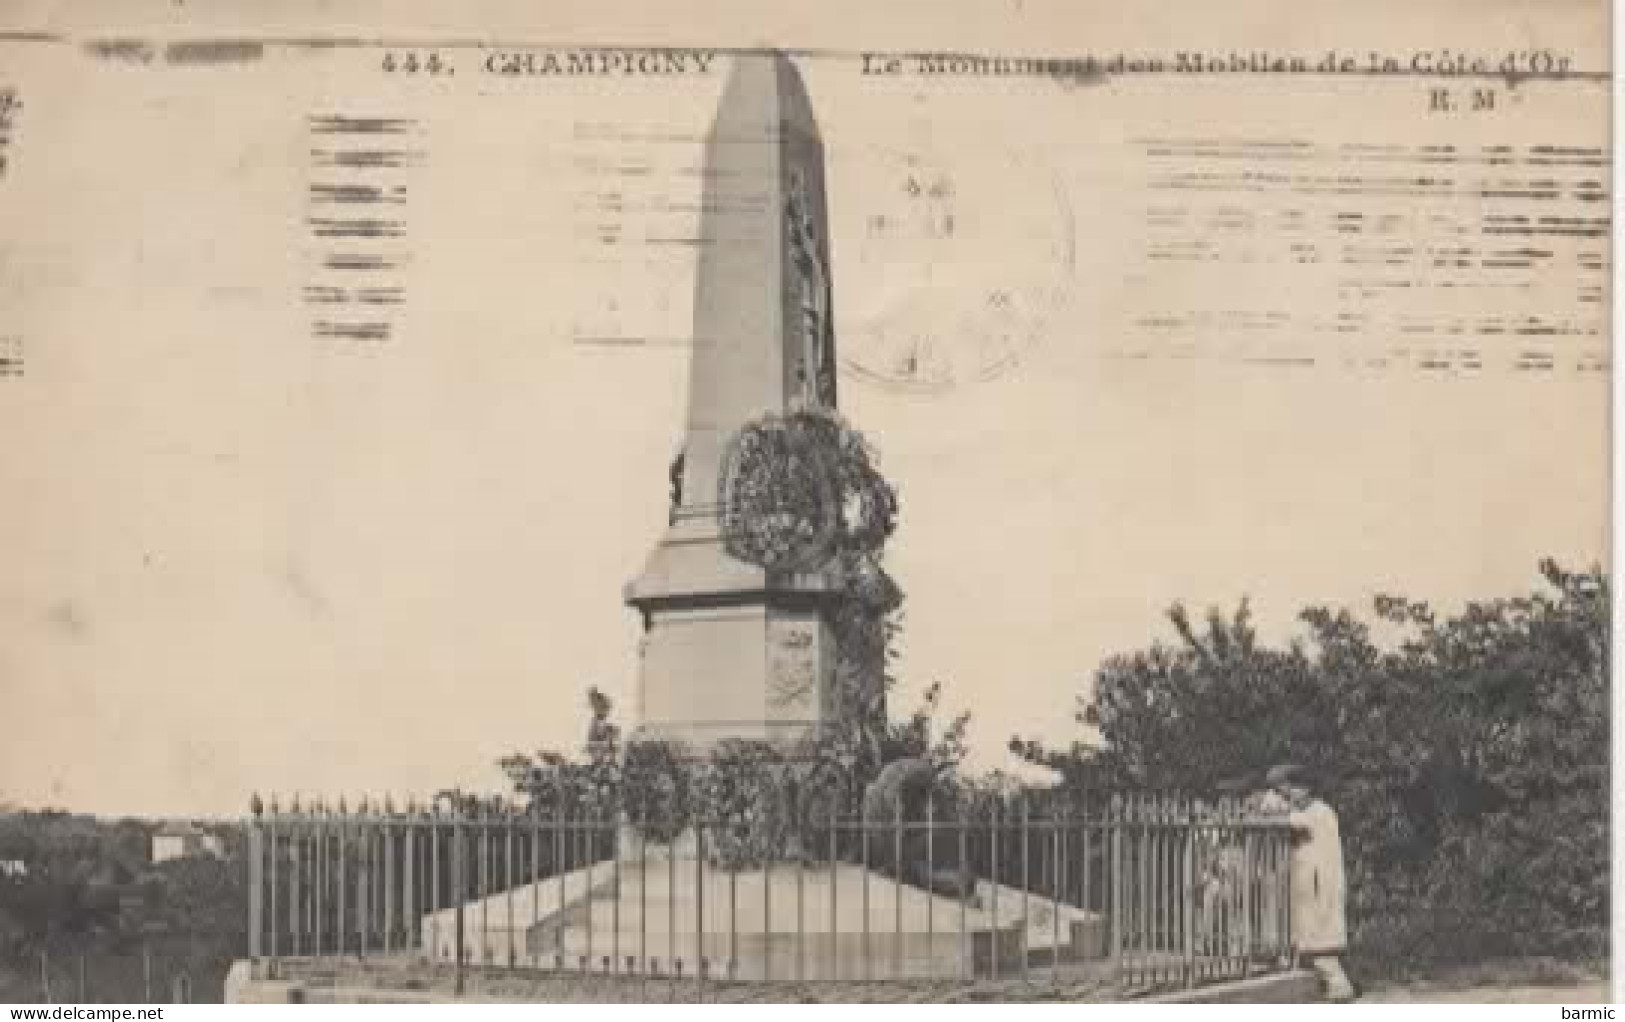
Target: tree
x=582 y=789
x=1468 y=759
x=917 y=736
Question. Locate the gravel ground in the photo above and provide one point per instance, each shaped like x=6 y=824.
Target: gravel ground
x=1427 y=993
x=1531 y=980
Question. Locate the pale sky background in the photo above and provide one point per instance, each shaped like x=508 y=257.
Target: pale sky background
x=245 y=559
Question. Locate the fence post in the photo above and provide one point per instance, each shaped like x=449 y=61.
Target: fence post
x=897 y=885
x=296 y=879
x=834 y=904
x=1283 y=871
x=409 y=883
x=1247 y=870
x=256 y=868
x=1060 y=818
x=930 y=877
x=432 y=939
x=340 y=889
x=967 y=890
x=322 y=875
x=508 y=821
x=364 y=907
x=1188 y=915
x=699 y=908
x=458 y=893
x=271 y=882
x=1026 y=880
x=1114 y=836
x=392 y=879
x=482 y=823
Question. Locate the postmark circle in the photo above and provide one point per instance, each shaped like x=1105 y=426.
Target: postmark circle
x=961 y=266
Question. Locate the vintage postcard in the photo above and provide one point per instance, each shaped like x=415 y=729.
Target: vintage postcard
x=984 y=500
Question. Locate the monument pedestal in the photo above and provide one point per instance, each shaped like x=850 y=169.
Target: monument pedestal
x=729 y=650
x=659 y=909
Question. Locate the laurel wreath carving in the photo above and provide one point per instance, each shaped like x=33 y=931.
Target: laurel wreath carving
x=800 y=490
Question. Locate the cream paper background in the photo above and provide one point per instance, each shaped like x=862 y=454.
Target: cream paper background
x=239 y=557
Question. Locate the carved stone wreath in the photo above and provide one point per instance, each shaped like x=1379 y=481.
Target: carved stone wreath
x=800 y=490
x=779 y=503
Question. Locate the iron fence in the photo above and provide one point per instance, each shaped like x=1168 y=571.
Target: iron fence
x=129 y=972
x=1151 y=891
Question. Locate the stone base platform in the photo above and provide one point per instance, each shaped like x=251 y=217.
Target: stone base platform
x=672 y=917
x=408 y=979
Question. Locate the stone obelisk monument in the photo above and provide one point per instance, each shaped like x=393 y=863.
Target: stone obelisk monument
x=733 y=650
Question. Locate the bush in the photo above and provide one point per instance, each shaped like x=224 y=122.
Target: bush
x=1468 y=760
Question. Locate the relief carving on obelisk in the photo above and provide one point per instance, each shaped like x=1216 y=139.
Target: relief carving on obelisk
x=815 y=365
